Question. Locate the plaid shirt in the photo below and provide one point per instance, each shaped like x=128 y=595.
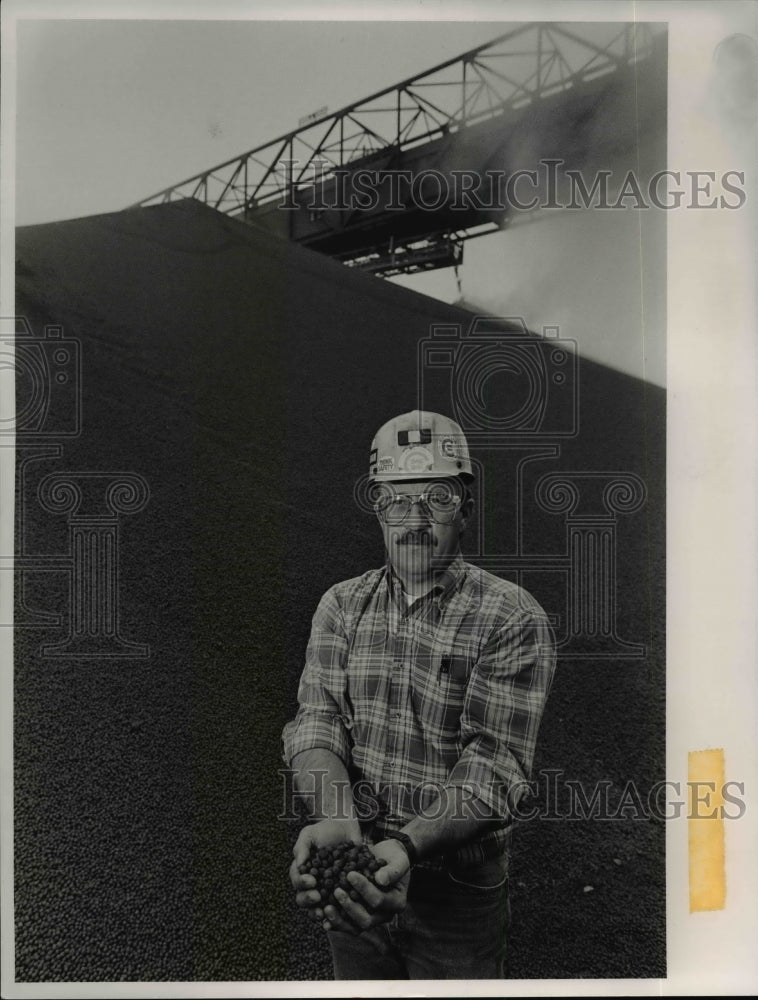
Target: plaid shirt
x=447 y=691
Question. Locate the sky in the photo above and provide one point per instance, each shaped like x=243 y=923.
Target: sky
x=111 y=111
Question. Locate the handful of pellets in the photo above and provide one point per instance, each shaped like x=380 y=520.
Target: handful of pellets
x=330 y=867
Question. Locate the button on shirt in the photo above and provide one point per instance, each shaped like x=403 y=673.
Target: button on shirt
x=447 y=690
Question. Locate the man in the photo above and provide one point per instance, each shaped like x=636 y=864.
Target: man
x=419 y=705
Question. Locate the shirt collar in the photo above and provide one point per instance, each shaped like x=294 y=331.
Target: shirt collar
x=445 y=584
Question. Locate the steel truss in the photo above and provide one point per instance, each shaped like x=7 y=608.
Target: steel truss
x=524 y=66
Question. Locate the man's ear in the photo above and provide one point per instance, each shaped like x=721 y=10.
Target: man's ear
x=466 y=510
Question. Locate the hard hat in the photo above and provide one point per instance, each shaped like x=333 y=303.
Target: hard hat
x=419 y=445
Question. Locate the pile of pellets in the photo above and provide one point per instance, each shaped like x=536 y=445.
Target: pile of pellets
x=330 y=867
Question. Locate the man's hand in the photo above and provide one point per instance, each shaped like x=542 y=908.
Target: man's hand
x=327 y=833
x=367 y=904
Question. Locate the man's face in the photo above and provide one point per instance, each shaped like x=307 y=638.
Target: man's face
x=419 y=546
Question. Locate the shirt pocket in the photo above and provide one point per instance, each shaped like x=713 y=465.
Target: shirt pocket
x=456 y=666
x=439 y=681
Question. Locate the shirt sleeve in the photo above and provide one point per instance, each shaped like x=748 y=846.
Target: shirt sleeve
x=503 y=706
x=322 y=718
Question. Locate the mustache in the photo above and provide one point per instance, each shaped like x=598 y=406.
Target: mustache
x=415 y=536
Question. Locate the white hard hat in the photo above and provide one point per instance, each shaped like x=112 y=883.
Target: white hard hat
x=419 y=445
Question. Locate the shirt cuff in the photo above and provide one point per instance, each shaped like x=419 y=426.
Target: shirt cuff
x=316 y=729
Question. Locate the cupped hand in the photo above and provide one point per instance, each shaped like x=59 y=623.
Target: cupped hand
x=370 y=903
x=325 y=833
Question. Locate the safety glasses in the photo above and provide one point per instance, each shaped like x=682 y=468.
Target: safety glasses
x=439 y=505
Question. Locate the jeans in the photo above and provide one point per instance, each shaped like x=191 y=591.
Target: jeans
x=453 y=927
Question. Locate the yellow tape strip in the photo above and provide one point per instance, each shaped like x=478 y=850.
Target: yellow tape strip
x=706 y=830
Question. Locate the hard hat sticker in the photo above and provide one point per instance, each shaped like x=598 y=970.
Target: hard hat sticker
x=386 y=464
x=416 y=459
x=421 y=436
x=450 y=447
